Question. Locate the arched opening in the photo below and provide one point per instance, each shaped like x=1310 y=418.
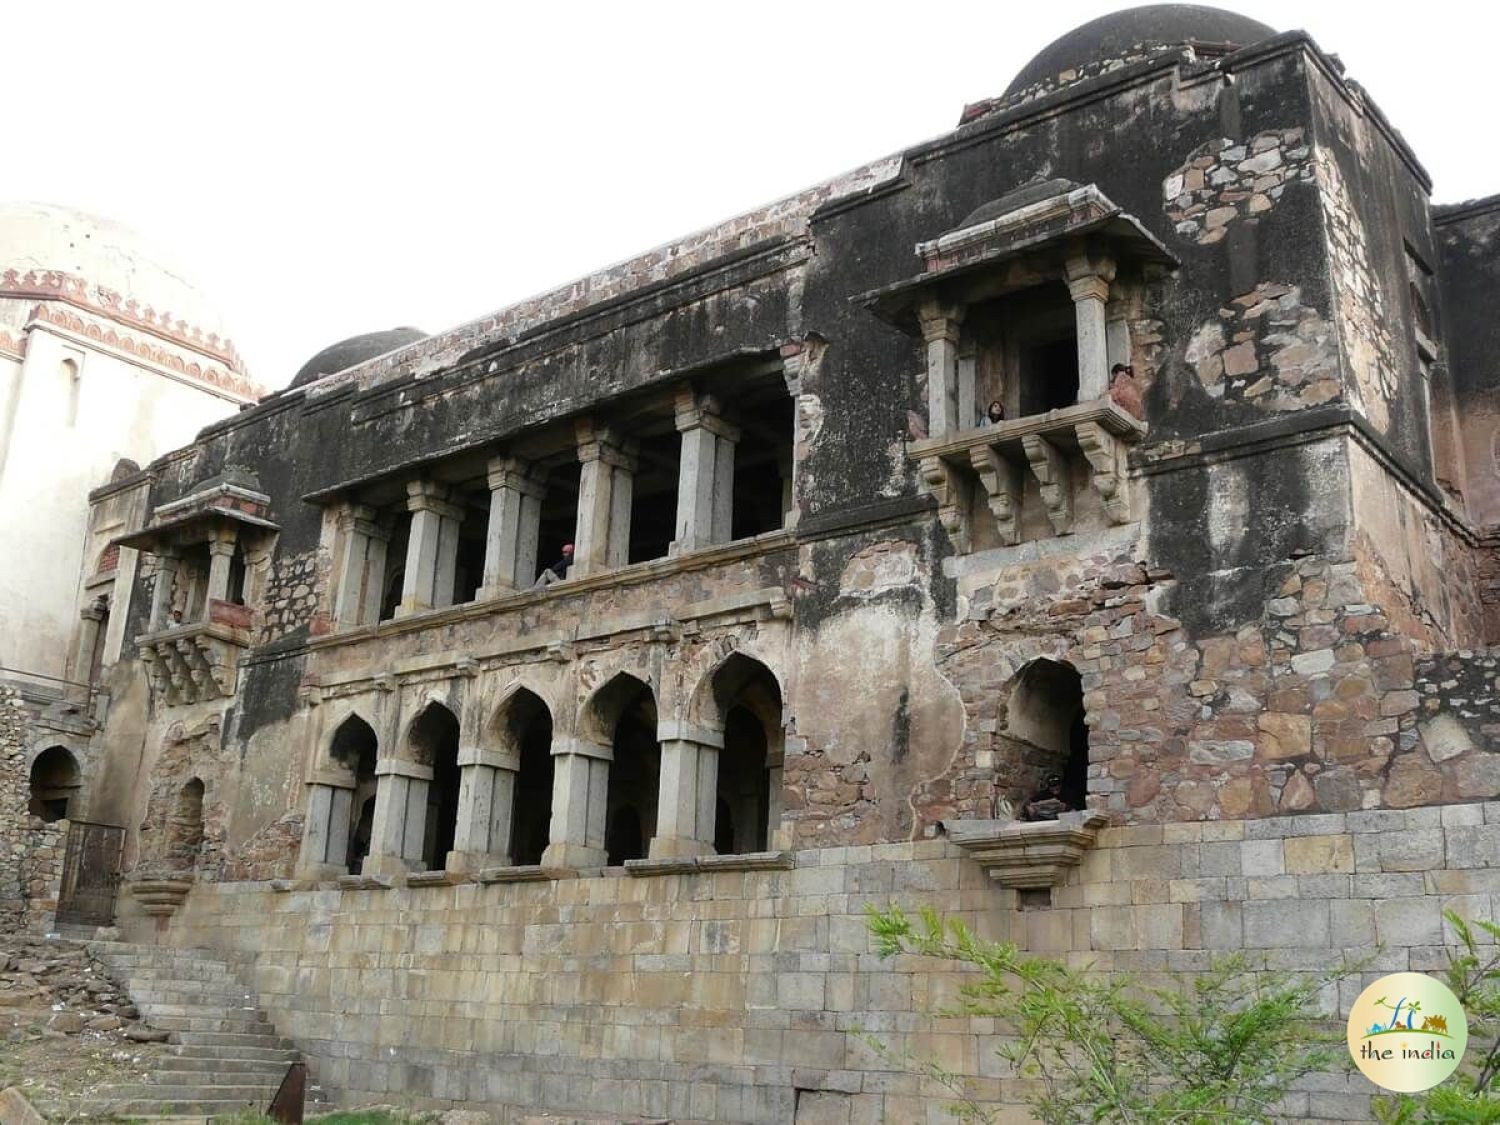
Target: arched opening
x=185 y=829
x=524 y=728
x=747 y=696
x=434 y=742
x=1046 y=711
x=55 y=779
x=356 y=748
x=623 y=713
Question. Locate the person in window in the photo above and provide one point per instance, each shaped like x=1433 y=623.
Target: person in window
x=1048 y=801
x=1124 y=391
x=996 y=413
x=557 y=571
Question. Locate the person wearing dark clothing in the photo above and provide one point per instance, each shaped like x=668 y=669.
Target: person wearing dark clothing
x=996 y=412
x=1048 y=801
x=557 y=571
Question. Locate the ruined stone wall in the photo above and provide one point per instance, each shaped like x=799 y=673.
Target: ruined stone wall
x=1469 y=235
x=15 y=844
x=745 y=995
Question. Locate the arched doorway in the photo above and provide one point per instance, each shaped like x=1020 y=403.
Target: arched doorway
x=434 y=743
x=1046 y=710
x=523 y=728
x=623 y=715
x=746 y=698
x=356 y=748
x=55 y=781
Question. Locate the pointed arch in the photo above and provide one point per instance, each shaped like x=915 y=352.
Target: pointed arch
x=355 y=746
x=622 y=715
x=432 y=740
x=742 y=697
x=521 y=728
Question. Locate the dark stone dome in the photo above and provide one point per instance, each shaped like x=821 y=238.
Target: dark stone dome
x=355 y=350
x=1155 y=25
x=1033 y=192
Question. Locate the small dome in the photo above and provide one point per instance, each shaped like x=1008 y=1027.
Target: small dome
x=1033 y=192
x=1155 y=25
x=354 y=351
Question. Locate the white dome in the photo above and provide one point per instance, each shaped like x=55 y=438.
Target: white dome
x=40 y=237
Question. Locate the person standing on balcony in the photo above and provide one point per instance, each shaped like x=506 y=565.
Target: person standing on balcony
x=1124 y=391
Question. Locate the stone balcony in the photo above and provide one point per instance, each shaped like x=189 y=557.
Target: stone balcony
x=199 y=661
x=997 y=458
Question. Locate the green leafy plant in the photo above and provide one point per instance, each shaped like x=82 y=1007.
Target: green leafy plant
x=1471 y=1096
x=1224 y=1045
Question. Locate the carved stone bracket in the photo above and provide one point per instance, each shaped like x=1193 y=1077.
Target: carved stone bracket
x=1002 y=482
x=193 y=663
x=1050 y=467
x=951 y=492
x=1106 y=456
x=1023 y=855
x=160 y=897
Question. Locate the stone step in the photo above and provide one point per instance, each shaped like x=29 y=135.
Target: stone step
x=283 y=1056
x=174 y=1064
x=238 y=1010
x=188 y=992
x=228 y=1024
x=196 y=1108
x=253 y=1093
x=198 y=1038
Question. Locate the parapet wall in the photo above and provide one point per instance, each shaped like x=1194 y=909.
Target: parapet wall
x=740 y=995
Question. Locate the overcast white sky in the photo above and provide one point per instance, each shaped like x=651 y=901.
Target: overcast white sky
x=322 y=169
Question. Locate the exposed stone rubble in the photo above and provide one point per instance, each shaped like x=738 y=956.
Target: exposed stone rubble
x=1226 y=180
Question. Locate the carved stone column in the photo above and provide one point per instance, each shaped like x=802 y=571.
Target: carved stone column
x=580 y=792
x=1088 y=282
x=940 y=328
x=361 y=572
x=510 y=546
x=161 y=594
x=486 y=809
x=705 y=476
x=220 y=556
x=688 y=802
x=431 y=550
x=605 y=489
x=325 y=829
x=400 y=823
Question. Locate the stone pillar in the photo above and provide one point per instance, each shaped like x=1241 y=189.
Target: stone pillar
x=605 y=488
x=362 y=566
x=1088 y=282
x=89 y=619
x=940 y=328
x=580 y=792
x=400 y=821
x=969 y=406
x=510 y=543
x=705 y=474
x=432 y=549
x=486 y=809
x=688 y=804
x=220 y=555
x=325 y=830
x=161 y=595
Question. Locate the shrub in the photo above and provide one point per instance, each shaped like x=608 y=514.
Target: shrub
x=1224 y=1045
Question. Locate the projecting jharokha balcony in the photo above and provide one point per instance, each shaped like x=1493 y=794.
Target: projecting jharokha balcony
x=194 y=662
x=996 y=459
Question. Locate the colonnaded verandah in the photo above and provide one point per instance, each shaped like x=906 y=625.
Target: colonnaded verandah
x=602 y=845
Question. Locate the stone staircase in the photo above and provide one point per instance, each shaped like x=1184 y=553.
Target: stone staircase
x=224 y=1055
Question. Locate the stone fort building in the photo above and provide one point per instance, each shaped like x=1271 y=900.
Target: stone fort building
x=604 y=845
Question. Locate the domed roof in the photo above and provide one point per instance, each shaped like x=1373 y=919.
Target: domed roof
x=353 y=351
x=1024 y=196
x=1155 y=25
x=39 y=238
